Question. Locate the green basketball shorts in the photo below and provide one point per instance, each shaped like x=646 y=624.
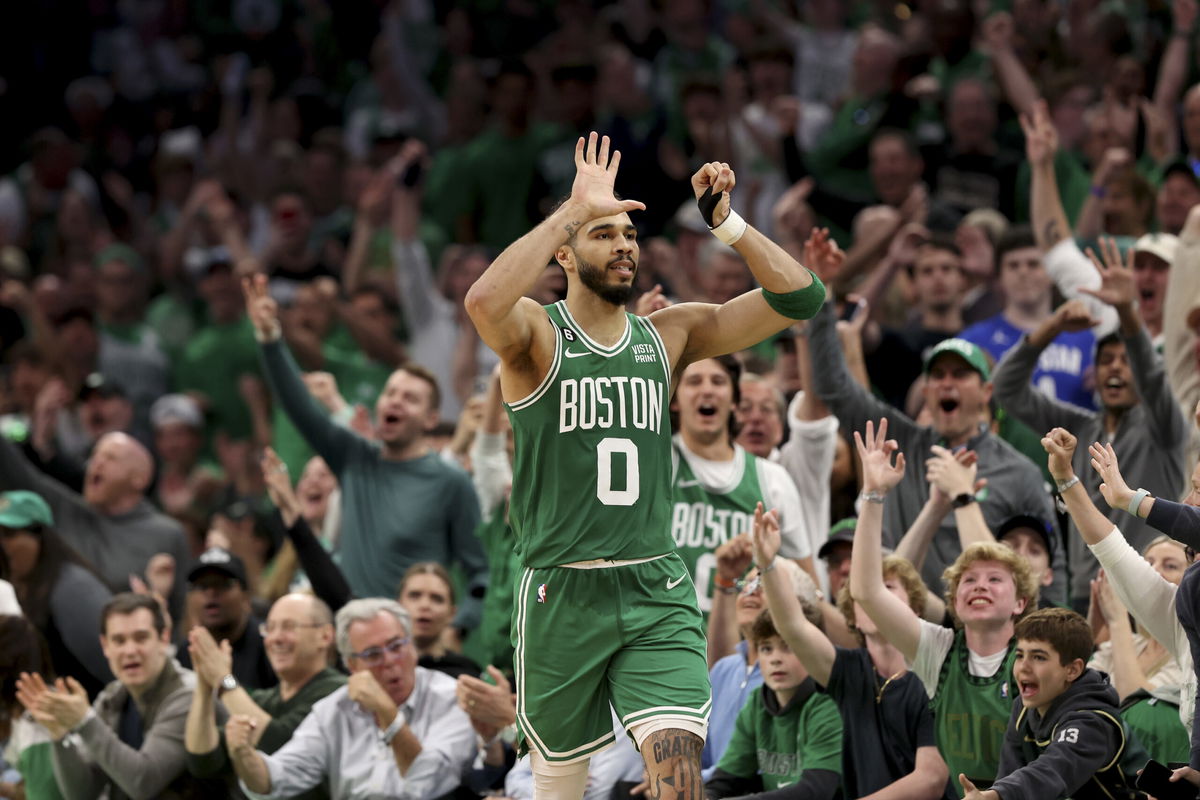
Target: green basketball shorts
x=628 y=635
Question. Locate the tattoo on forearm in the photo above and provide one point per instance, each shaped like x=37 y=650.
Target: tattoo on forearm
x=572 y=228
x=1050 y=232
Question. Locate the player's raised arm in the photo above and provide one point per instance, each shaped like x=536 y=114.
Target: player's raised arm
x=496 y=302
x=789 y=291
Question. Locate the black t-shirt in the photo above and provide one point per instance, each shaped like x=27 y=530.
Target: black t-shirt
x=250 y=664
x=453 y=664
x=885 y=721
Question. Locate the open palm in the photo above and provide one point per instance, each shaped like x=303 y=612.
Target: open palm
x=1117 y=287
x=875 y=450
x=595 y=176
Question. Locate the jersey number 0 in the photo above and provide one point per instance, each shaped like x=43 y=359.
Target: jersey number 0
x=606 y=452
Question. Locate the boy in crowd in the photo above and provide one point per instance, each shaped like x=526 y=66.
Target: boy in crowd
x=890 y=748
x=1066 y=737
x=788 y=738
x=967 y=671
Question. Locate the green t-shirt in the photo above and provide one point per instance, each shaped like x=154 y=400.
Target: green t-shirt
x=1155 y=723
x=491 y=643
x=782 y=743
x=212 y=364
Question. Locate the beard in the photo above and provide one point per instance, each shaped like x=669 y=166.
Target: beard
x=593 y=278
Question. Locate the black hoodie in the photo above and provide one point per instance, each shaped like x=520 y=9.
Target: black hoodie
x=1080 y=748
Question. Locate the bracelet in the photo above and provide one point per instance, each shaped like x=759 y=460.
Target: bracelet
x=1135 y=502
x=1062 y=486
x=872 y=497
x=731 y=229
x=764 y=570
x=724 y=585
x=391 y=730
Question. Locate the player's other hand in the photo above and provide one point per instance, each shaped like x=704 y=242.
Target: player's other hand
x=719 y=177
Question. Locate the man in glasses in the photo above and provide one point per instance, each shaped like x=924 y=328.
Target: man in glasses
x=395 y=729
x=218 y=599
x=298 y=635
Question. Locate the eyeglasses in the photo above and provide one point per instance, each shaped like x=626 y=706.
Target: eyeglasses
x=287 y=626
x=375 y=656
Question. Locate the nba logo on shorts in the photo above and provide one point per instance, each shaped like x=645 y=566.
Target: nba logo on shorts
x=542 y=593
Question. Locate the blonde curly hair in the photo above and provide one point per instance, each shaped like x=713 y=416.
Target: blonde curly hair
x=893 y=566
x=1022 y=574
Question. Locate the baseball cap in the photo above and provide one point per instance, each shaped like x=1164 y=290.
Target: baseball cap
x=1157 y=244
x=968 y=351
x=1034 y=523
x=842 y=531
x=218 y=559
x=21 y=509
x=176 y=408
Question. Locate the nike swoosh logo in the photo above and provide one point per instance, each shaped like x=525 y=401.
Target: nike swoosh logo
x=572 y=354
x=671 y=584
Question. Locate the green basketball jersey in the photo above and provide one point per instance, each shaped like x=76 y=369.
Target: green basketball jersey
x=592 y=467
x=971 y=714
x=706 y=517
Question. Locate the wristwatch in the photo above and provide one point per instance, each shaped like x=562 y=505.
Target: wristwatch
x=963 y=499
x=228 y=684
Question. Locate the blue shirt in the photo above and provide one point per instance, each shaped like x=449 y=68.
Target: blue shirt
x=1062 y=366
x=732 y=685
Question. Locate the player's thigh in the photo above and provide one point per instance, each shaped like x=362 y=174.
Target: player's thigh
x=563 y=639
x=661 y=671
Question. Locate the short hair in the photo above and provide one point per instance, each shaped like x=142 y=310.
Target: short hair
x=893 y=566
x=428 y=568
x=1022 y=573
x=426 y=375
x=906 y=139
x=776 y=395
x=1162 y=538
x=127 y=603
x=365 y=610
x=1141 y=189
x=941 y=241
x=1105 y=341
x=1063 y=629
x=1018 y=237
x=764 y=625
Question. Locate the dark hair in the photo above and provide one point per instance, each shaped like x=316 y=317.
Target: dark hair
x=1105 y=341
x=906 y=139
x=35 y=589
x=511 y=66
x=378 y=292
x=1063 y=629
x=418 y=371
x=126 y=603
x=1018 y=237
x=937 y=241
x=763 y=627
x=22 y=649
x=733 y=367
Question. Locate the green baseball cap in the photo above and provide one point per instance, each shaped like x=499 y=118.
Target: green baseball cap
x=20 y=510
x=968 y=351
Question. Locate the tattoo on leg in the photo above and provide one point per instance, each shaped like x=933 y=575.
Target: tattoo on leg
x=673 y=763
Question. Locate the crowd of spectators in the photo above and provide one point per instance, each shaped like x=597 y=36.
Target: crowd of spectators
x=244 y=414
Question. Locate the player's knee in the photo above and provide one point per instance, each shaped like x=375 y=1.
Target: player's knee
x=556 y=781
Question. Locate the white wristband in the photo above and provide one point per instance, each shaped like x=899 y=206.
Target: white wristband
x=731 y=228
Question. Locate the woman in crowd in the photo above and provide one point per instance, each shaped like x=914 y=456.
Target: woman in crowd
x=57 y=591
x=427 y=593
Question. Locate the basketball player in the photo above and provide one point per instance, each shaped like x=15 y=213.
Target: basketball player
x=606 y=612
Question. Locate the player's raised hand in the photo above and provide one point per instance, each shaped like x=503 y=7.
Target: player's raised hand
x=714 y=179
x=595 y=176
x=261 y=307
x=875 y=450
